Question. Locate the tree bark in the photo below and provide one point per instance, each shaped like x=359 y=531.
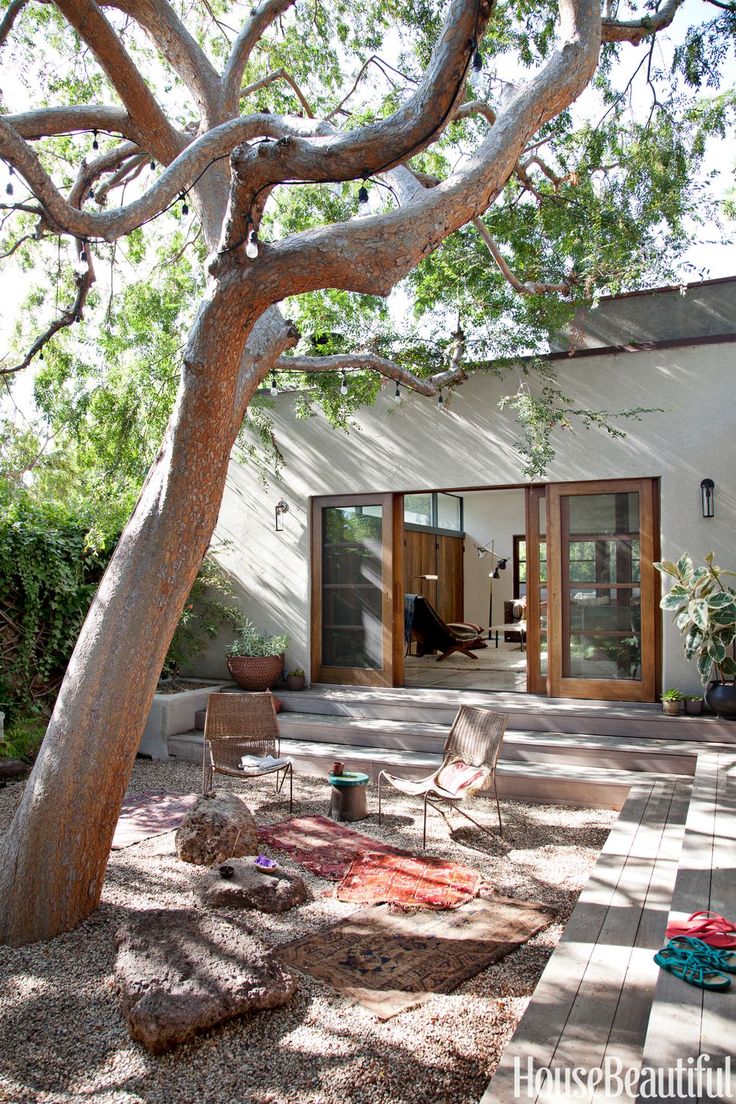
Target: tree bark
x=56 y=850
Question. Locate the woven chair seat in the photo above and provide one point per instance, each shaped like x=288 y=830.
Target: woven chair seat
x=238 y=725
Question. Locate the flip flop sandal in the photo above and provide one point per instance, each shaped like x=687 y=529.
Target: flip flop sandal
x=691 y=969
x=709 y=926
x=720 y=960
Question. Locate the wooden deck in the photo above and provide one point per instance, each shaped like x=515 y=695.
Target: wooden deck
x=601 y=999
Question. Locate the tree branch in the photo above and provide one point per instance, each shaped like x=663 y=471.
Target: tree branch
x=261 y=18
x=637 y=29
x=181 y=50
x=371 y=362
x=370 y=149
x=279 y=74
x=107 y=162
x=179 y=177
x=14 y=10
x=528 y=288
x=161 y=138
x=380 y=64
x=46 y=122
x=84 y=281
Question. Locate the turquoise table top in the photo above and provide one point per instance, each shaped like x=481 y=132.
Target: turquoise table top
x=348 y=778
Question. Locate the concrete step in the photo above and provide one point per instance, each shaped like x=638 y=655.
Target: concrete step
x=527 y=712
x=552 y=780
x=659 y=756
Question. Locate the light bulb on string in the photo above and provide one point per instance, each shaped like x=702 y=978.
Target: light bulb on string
x=477 y=60
x=274 y=386
x=441 y=403
x=344 y=383
x=9 y=185
x=184 y=204
x=251 y=246
x=397 y=393
x=362 y=197
x=152 y=165
x=95 y=143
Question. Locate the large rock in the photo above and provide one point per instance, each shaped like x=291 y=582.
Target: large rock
x=247 y=887
x=180 y=972
x=219 y=827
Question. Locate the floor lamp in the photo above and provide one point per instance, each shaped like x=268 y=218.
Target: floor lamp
x=498 y=564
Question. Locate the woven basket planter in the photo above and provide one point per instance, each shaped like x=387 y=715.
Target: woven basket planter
x=255 y=672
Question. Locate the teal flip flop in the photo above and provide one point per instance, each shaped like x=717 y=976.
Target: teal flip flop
x=719 y=959
x=692 y=969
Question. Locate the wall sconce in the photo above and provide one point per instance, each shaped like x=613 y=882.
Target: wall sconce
x=707 y=497
x=281 y=509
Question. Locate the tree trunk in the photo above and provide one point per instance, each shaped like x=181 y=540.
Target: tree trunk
x=55 y=853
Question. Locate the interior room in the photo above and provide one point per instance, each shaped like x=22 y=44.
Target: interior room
x=465 y=555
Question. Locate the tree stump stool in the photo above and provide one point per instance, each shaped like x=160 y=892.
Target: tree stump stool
x=348 y=800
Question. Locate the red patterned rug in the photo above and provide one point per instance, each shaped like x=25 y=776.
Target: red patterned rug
x=149 y=815
x=324 y=846
x=408 y=880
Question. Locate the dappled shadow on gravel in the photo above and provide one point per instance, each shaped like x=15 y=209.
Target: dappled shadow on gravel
x=64 y=1040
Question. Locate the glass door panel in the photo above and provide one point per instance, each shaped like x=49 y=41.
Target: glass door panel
x=352 y=600
x=603 y=611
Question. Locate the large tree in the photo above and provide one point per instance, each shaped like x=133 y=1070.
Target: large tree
x=235 y=165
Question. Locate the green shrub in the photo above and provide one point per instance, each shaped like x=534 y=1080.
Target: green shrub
x=23 y=738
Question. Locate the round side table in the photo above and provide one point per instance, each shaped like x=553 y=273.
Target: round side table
x=348 y=800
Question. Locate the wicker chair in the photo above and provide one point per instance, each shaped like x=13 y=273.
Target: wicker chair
x=238 y=725
x=468 y=765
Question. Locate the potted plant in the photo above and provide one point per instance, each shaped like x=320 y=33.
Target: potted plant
x=255 y=661
x=672 y=702
x=705 y=613
x=296 y=679
x=694 y=704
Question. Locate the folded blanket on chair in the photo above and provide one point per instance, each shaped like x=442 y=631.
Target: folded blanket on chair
x=263 y=762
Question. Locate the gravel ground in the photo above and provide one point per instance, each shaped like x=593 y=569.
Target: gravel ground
x=63 y=1039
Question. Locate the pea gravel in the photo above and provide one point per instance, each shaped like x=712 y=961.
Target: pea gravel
x=63 y=1039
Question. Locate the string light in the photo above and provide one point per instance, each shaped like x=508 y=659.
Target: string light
x=153 y=165
x=184 y=204
x=344 y=384
x=477 y=60
x=274 y=386
x=362 y=197
x=441 y=403
x=397 y=393
x=9 y=186
x=251 y=245
x=95 y=143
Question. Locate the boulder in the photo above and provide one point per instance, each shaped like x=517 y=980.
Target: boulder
x=247 y=887
x=12 y=769
x=180 y=972
x=219 y=827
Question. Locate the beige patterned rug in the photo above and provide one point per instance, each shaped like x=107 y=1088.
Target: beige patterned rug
x=391 y=961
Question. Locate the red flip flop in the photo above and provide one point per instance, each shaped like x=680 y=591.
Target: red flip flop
x=708 y=926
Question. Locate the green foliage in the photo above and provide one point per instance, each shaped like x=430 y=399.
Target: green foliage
x=23 y=738
x=250 y=641
x=48 y=576
x=205 y=612
x=704 y=610
x=673 y=695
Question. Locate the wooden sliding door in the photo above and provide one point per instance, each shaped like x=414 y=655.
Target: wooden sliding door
x=602 y=605
x=357 y=610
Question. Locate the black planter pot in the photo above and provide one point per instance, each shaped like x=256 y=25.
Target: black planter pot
x=721 y=698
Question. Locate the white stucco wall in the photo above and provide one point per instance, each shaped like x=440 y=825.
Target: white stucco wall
x=414 y=447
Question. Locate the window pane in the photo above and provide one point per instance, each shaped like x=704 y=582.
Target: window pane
x=418 y=509
x=352 y=631
x=449 y=512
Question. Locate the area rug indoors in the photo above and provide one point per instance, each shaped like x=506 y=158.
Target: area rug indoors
x=150 y=814
x=408 y=880
x=389 y=962
x=324 y=846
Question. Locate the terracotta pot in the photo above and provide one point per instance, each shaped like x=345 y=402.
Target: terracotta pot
x=296 y=682
x=721 y=698
x=672 y=708
x=694 y=707
x=255 y=672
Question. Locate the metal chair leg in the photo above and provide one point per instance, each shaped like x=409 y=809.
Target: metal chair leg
x=424 y=829
x=498 y=807
x=380 y=811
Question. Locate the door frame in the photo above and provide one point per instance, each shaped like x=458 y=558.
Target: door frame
x=559 y=685
x=392 y=600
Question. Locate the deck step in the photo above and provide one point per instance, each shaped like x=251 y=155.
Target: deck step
x=528 y=712
x=659 y=756
x=559 y=784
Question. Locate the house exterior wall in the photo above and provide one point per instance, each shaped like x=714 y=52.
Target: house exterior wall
x=412 y=447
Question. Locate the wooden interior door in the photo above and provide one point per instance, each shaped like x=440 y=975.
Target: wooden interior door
x=602 y=608
x=357 y=611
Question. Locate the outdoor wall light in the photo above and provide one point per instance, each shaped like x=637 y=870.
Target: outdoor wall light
x=281 y=509
x=707 y=497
